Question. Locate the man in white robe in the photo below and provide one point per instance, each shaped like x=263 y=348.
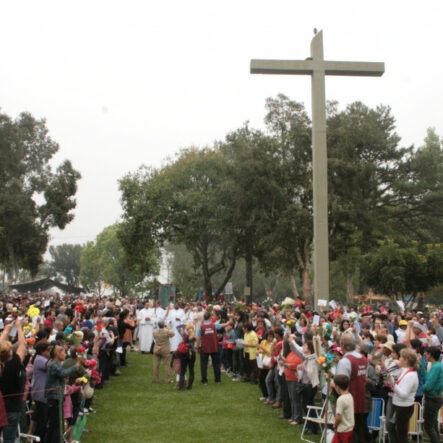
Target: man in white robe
x=175 y=317
x=145 y=328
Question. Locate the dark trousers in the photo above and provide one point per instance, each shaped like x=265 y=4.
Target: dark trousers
x=104 y=364
x=238 y=361
x=227 y=359
x=263 y=373
x=187 y=361
x=40 y=418
x=398 y=431
x=287 y=411
x=53 y=432
x=123 y=354
x=250 y=369
x=204 y=358
x=361 y=432
x=308 y=395
x=432 y=406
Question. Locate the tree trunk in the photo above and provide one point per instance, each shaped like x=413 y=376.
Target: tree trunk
x=350 y=289
x=294 y=287
x=276 y=284
x=304 y=263
x=227 y=277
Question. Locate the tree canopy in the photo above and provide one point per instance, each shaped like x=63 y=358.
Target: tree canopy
x=65 y=262
x=105 y=262
x=33 y=196
x=250 y=197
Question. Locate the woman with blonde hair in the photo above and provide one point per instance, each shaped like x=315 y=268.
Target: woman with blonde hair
x=188 y=357
x=404 y=388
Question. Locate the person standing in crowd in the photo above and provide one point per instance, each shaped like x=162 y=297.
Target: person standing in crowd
x=405 y=388
x=162 y=351
x=174 y=318
x=272 y=384
x=54 y=389
x=433 y=390
x=105 y=342
x=188 y=358
x=355 y=366
x=40 y=415
x=250 y=344
x=228 y=344
x=265 y=348
x=145 y=328
x=309 y=380
x=344 y=411
x=125 y=327
x=12 y=380
x=208 y=345
x=290 y=363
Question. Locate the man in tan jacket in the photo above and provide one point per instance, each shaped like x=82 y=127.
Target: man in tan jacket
x=161 y=350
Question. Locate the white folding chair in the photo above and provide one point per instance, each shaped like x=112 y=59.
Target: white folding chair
x=322 y=416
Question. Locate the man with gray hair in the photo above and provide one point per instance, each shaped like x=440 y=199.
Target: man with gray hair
x=355 y=366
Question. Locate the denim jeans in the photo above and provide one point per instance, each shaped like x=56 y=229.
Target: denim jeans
x=10 y=430
x=294 y=391
x=432 y=406
x=270 y=385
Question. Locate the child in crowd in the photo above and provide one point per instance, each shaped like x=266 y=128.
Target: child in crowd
x=344 y=413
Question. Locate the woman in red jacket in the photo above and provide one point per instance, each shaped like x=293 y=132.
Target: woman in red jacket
x=290 y=364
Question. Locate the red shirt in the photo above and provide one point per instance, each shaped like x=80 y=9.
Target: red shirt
x=292 y=361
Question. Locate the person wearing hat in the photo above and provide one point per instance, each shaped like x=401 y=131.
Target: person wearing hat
x=400 y=332
x=419 y=332
x=387 y=352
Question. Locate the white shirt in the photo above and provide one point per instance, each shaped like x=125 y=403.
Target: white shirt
x=405 y=388
x=345 y=407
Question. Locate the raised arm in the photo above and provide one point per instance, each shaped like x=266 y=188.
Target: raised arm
x=5 y=333
x=21 y=350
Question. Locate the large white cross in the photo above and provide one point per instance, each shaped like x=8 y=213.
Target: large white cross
x=317 y=68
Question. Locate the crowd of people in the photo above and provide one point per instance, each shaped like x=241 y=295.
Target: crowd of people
x=55 y=351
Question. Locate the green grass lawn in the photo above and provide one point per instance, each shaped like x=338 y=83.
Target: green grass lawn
x=131 y=409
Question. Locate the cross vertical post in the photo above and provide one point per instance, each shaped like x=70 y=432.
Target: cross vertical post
x=319 y=172
x=317 y=68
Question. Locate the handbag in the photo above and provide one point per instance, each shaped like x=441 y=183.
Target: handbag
x=259 y=359
x=88 y=391
x=182 y=348
x=266 y=361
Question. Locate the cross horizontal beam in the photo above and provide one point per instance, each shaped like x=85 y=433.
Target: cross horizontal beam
x=306 y=67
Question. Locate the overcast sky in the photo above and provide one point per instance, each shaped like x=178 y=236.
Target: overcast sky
x=128 y=83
